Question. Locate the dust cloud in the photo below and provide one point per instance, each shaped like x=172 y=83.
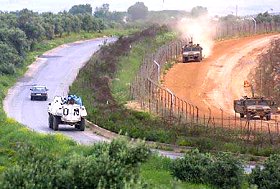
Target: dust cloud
x=201 y=30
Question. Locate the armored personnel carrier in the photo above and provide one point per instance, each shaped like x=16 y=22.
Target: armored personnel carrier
x=67 y=111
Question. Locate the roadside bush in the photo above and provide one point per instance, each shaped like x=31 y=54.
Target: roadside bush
x=7 y=69
x=104 y=165
x=8 y=55
x=225 y=172
x=35 y=169
x=267 y=177
x=222 y=171
x=192 y=168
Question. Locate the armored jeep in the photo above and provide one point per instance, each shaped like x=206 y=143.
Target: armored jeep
x=191 y=52
x=67 y=111
x=255 y=106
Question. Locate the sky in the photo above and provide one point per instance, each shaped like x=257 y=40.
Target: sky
x=215 y=7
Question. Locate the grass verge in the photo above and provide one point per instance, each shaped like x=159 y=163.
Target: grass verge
x=12 y=133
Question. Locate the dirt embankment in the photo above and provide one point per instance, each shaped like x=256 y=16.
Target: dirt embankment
x=218 y=80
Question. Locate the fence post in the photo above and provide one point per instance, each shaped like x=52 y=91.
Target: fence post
x=171 y=101
x=222 y=117
x=193 y=114
x=196 y=114
x=150 y=94
x=210 y=116
x=158 y=70
x=186 y=106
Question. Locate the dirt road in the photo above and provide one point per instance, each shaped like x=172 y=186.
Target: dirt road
x=218 y=80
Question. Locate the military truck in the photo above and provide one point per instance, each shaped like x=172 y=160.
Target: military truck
x=255 y=106
x=191 y=52
x=67 y=111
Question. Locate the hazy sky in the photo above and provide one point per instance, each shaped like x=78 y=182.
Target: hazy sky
x=219 y=7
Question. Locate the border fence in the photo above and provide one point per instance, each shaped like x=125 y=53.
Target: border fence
x=147 y=90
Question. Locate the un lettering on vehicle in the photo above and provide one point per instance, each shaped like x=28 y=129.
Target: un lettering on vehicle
x=76 y=112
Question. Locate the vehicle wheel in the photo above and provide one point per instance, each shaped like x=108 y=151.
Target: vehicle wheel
x=32 y=98
x=50 y=121
x=82 y=124
x=186 y=60
x=248 y=116
x=268 y=117
x=46 y=98
x=241 y=115
x=77 y=126
x=55 y=122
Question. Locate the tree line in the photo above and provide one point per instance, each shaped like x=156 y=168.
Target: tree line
x=21 y=30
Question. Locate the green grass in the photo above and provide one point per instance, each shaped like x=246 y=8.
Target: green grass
x=128 y=66
x=156 y=173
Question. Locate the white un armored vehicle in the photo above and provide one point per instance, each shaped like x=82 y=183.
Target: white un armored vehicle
x=67 y=111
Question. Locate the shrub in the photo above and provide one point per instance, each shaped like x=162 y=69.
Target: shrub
x=222 y=171
x=225 y=172
x=105 y=165
x=35 y=169
x=7 y=69
x=192 y=168
x=269 y=176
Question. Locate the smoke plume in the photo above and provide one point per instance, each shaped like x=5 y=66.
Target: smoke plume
x=201 y=30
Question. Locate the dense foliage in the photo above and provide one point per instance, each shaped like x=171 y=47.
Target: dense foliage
x=199 y=11
x=193 y=167
x=104 y=165
x=221 y=171
x=266 y=17
x=20 y=31
x=81 y=9
x=137 y=11
x=268 y=176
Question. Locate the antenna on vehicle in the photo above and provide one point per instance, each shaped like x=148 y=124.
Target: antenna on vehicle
x=191 y=41
x=253 y=90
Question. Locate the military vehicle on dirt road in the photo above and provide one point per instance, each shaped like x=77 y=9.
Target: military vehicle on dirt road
x=255 y=106
x=67 y=111
x=191 y=52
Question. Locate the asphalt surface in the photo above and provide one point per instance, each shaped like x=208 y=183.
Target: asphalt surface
x=57 y=69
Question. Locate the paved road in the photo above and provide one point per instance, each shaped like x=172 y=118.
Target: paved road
x=56 y=69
